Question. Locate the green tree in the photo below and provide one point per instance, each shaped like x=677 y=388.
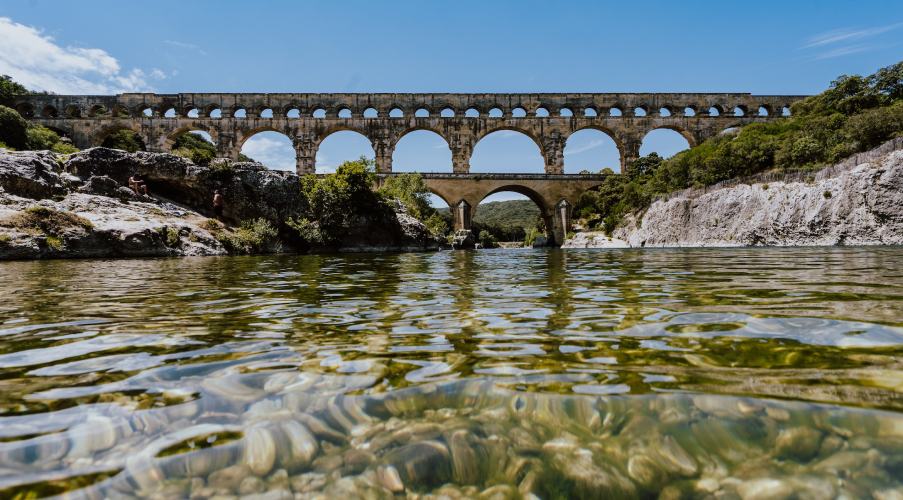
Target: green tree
x=195 y=147
x=411 y=190
x=124 y=139
x=13 y=128
x=10 y=88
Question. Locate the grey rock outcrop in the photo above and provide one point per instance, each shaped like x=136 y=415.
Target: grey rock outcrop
x=862 y=205
x=32 y=174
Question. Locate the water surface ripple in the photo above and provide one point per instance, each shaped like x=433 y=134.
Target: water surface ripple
x=746 y=373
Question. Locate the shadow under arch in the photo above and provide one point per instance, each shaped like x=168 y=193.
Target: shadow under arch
x=101 y=136
x=545 y=206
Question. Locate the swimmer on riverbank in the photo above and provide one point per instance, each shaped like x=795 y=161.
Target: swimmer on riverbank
x=218 y=204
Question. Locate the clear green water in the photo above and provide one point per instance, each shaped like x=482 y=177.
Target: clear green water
x=738 y=373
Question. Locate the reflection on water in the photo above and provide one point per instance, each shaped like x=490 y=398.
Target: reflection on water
x=759 y=373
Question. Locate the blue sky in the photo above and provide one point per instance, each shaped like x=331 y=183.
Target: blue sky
x=769 y=47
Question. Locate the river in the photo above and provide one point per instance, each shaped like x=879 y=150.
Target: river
x=758 y=373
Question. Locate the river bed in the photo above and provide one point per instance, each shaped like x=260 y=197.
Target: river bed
x=681 y=373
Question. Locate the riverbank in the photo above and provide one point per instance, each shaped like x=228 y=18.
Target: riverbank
x=859 y=204
x=76 y=206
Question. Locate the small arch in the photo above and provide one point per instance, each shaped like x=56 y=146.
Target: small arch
x=50 y=112
x=25 y=109
x=344 y=113
x=120 y=111
x=689 y=111
x=507 y=150
x=340 y=146
x=590 y=112
x=193 y=113
x=664 y=111
x=422 y=150
x=98 y=110
x=447 y=113
x=541 y=112
x=518 y=112
x=371 y=113
x=715 y=111
x=214 y=111
x=293 y=113
x=566 y=112
x=764 y=111
x=785 y=111
x=592 y=150
x=422 y=113
x=73 y=111
x=740 y=110
x=170 y=113
x=240 y=113
x=472 y=113
x=266 y=113
x=665 y=141
x=639 y=111
x=495 y=113
x=396 y=113
x=319 y=113
x=615 y=111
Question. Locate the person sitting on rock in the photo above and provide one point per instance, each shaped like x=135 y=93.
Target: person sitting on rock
x=138 y=185
x=218 y=204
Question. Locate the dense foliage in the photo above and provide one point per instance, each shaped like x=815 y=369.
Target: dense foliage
x=198 y=149
x=855 y=114
x=411 y=190
x=10 y=88
x=12 y=128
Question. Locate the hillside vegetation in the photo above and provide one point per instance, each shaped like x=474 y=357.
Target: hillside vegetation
x=855 y=114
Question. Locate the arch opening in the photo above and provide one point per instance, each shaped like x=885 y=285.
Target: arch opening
x=663 y=111
x=240 y=113
x=170 y=113
x=689 y=111
x=73 y=111
x=447 y=113
x=714 y=111
x=98 y=110
x=615 y=111
x=422 y=113
x=193 y=113
x=542 y=112
x=665 y=142
x=472 y=113
x=518 y=112
x=216 y=113
x=293 y=113
x=739 y=111
x=344 y=113
x=267 y=113
x=763 y=111
x=639 y=111
x=371 y=113
x=508 y=151
x=511 y=214
x=50 y=112
x=590 y=112
x=495 y=113
x=341 y=146
x=273 y=149
x=396 y=113
x=591 y=151
x=319 y=113
x=566 y=112
x=422 y=151
x=124 y=139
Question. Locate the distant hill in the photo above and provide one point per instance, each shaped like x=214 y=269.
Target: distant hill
x=506 y=220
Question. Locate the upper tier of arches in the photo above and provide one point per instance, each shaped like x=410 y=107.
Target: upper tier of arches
x=347 y=106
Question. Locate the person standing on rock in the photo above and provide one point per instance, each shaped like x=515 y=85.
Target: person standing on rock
x=218 y=204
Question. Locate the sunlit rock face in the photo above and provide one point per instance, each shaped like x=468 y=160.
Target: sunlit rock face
x=859 y=206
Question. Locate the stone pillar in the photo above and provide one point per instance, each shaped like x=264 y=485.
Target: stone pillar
x=462 y=148
x=561 y=222
x=630 y=152
x=383 y=147
x=462 y=215
x=305 y=154
x=553 y=152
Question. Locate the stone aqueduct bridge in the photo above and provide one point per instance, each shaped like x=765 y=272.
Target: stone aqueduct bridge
x=461 y=119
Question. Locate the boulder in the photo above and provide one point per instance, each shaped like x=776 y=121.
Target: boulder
x=464 y=240
x=105 y=186
x=31 y=174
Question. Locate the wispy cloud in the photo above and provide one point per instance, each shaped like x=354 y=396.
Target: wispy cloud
x=272 y=149
x=38 y=62
x=846 y=41
x=593 y=144
x=186 y=45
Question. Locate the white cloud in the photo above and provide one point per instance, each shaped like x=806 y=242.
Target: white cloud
x=186 y=45
x=847 y=35
x=839 y=42
x=593 y=144
x=36 y=61
x=274 y=152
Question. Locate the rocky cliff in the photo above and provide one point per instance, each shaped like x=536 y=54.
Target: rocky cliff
x=860 y=205
x=79 y=206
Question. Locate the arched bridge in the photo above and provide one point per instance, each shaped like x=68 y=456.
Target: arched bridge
x=460 y=119
x=554 y=194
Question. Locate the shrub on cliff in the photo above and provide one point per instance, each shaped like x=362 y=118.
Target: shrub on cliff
x=13 y=128
x=124 y=139
x=411 y=190
x=251 y=237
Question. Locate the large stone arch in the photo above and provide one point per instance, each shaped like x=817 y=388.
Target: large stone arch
x=491 y=128
x=421 y=125
x=692 y=140
x=98 y=137
x=171 y=137
x=619 y=144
